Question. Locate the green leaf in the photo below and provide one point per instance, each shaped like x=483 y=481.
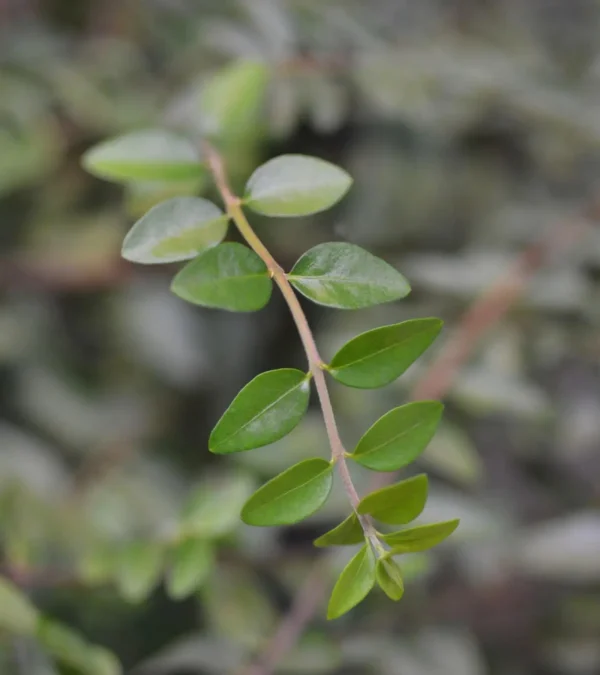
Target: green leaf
x=295 y=185
x=291 y=496
x=420 y=538
x=139 y=569
x=153 y=154
x=141 y=196
x=232 y=101
x=399 y=437
x=213 y=508
x=379 y=356
x=266 y=409
x=354 y=583
x=230 y=276
x=177 y=229
x=347 y=533
x=191 y=564
x=64 y=644
x=397 y=504
x=389 y=578
x=347 y=277
x=103 y=662
x=17 y=614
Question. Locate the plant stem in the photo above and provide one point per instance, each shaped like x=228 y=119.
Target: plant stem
x=233 y=205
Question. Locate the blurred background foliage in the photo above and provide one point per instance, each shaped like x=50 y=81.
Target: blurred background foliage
x=470 y=126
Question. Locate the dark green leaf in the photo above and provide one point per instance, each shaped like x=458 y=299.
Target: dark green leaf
x=295 y=185
x=347 y=277
x=177 y=229
x=377 y=357
x=389 y=578
x=17 y=614
x=213 y=508
x=420 y=538
x=232 y=101
x=354 y=583
x=266 y=409
x=399 y=437
x=348 y=532
x=230 y=276
x=192 y=562
x=153 y=154
x=291 y=496
x=139 y=569
x=397 y=504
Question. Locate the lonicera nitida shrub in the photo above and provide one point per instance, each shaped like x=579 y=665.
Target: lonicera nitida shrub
x=237 y=277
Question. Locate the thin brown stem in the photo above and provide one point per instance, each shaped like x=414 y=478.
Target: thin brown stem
x=315 y=363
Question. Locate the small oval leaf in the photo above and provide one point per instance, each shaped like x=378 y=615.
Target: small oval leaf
x=139 y=569
x=354 y=583
x=153 y=154
x=420 y=538
x=346 y=276
x=347 y=533
x=192 y=562
x=295 y=185
x=266 y=409
x=17 y=614
x=399 y=437
x=230 y=276
x=291 y=496
x=379 y=356
x=389 y=578
x=397 y=504
x=177 y=229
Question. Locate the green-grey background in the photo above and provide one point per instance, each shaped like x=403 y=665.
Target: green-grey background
x=470 y=127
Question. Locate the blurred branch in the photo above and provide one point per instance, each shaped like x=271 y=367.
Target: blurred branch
x=485 y=313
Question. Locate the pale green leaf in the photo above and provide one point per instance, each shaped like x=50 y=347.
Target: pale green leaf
x=213 y=508
x=420 y=538
x=291 y=496
x=191 y=563
x=379 y=356
x=177 y=229
x=295 y=185
x=266 y=409
x=399 y=437
x=139 y=569
x=347 y=533
x=389 y=578
x=354 y=583
x=230 y=276
x=17 y=614
x=397 y=504
x=346 y=276
x=232 y=101
x=148 y=155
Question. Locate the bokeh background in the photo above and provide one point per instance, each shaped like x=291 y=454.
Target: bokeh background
x=471 y=128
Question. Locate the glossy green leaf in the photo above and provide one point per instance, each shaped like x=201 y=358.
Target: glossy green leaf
x=354 y=583
x=291 y=496
x=347 y=277
x=139 y=569
x=399 y=437
x=295 y=185
x=397 y=504
x=213 y=508
x=191 y=563
x=266 y=409
x=177 y=229
x=379 y=356
x=230 y=276
x=420 y=538
x=17 y=614
x=153 y=154
x=347 y=533
x=232 y=101
x=389 y=578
